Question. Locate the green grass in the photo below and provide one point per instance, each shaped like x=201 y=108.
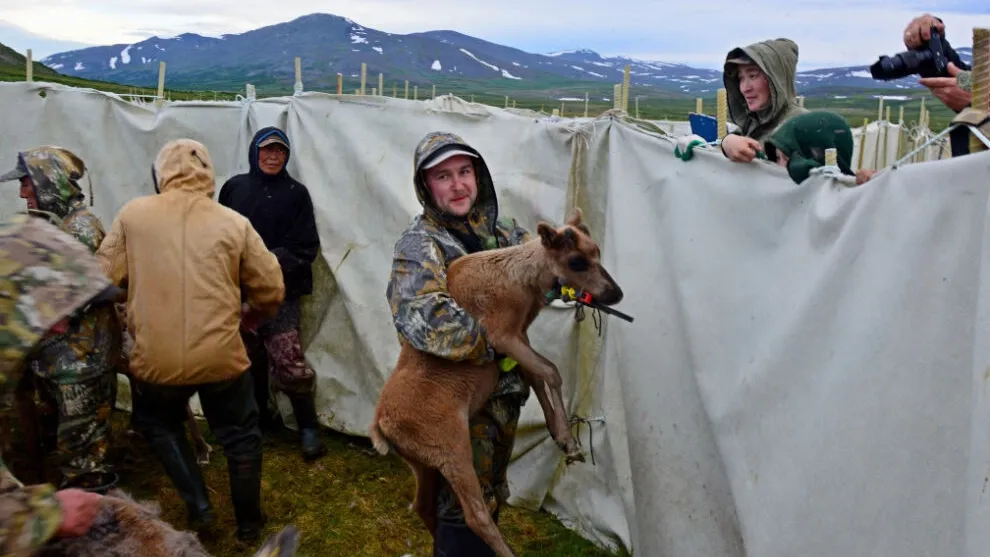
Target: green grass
x=351 y=502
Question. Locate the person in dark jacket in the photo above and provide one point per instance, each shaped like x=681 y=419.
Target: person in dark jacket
x=281 y=210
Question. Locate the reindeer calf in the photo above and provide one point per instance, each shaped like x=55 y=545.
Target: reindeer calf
x=425 y=405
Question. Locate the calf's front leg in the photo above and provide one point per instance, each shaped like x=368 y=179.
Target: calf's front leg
x=543 y=376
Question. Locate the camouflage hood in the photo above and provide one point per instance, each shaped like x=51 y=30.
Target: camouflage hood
x=45 y=275
x=54 y=172
x=778 y=59
x=482 y=219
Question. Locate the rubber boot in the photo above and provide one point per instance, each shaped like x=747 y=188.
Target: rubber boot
x=245 y=494
x=180 y=465
x=456 y=539
x=309 y=428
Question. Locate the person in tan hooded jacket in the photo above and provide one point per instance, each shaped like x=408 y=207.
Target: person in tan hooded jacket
x=187 y=264
x=760 y=92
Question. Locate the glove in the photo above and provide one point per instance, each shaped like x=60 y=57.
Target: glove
x=685 y=145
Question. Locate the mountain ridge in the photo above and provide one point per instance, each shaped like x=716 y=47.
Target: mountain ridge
x=330 y=44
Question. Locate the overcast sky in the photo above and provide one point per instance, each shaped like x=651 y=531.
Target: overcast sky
x=832 y=33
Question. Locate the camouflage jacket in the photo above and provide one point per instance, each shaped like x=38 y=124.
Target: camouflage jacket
x=47 y=275
x=424 y=313
x=92 y=344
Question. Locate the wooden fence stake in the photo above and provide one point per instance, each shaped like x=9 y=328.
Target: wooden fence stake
x=721 y=113
x=160 y=98
x=340 y=83
x=298 y=89
x=981 y=80
x=364 y=78
x=29 y=70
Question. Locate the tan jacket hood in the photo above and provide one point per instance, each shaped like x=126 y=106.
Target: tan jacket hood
x=185 y=165
x=778 y=58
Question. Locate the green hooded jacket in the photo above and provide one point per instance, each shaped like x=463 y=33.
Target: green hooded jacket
x=804 y=139
x=92 y=346
x=424 y=313
x=778 y=59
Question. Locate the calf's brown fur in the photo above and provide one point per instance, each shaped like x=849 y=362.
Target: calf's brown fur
x=425 y=405
x=126 y=528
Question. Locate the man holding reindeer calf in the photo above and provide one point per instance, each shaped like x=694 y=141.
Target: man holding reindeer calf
x=451 y=406
x=460 y=216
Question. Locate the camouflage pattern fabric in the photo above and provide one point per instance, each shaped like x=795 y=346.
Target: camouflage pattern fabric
x=287 y=367
x=427 y=317
x=75 y=366
x=77 y=415
x=45 y=275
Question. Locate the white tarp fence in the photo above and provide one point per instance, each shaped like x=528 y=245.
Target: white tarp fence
x=807 y=371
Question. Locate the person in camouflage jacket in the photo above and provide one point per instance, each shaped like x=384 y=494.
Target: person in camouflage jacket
x=47 y=276
x=76 y=369
x=460 y=216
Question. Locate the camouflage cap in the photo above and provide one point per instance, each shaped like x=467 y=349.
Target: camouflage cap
x=45 y=275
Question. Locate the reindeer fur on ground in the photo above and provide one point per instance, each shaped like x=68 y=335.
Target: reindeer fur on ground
x=128 y=528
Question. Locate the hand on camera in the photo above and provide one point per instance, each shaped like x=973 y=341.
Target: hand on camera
x=947 y=90
x=919 y=31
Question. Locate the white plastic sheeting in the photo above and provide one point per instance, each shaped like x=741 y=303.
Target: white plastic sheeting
x=806 y=372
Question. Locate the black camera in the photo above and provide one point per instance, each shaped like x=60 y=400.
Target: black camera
x=931 y=60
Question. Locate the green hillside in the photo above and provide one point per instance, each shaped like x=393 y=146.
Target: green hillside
x=13 y=66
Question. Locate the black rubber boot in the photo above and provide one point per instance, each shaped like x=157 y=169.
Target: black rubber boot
x=245 y=494
x=309 y=428
x=180 y=465
x=456 y=539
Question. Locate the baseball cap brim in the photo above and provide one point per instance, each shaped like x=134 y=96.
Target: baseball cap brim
x=446 y=155
x=272 y=140
x=16 y=174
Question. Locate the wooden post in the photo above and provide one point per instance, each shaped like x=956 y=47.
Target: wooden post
x=513 y=103
x=434 y=92
x=625 y=88
x=555 y=113
x=507 y=101
x=585 y=104
x=299 y=86
x=29 y=70
x=415 y=92
x=561 y=109
x=374 y=91
x=886 y=132
x=617 y=96
x=699 y=106
x=364 y=77
x=637 y=106
x=880 y=110
x=407 y=90
x=340 y=83
x=900 y=116
x=381 y=84
x=721 y=113
x=160 y=98
x=981 y=80
x=862 y=144
x=395 y=90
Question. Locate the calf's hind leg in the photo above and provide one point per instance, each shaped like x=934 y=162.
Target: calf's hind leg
x=458 y=469
x=427 y=485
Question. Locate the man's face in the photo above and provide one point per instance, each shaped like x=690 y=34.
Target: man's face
x=27 y=192
x=453 y=185
x=271 y=158
x=754 y=86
